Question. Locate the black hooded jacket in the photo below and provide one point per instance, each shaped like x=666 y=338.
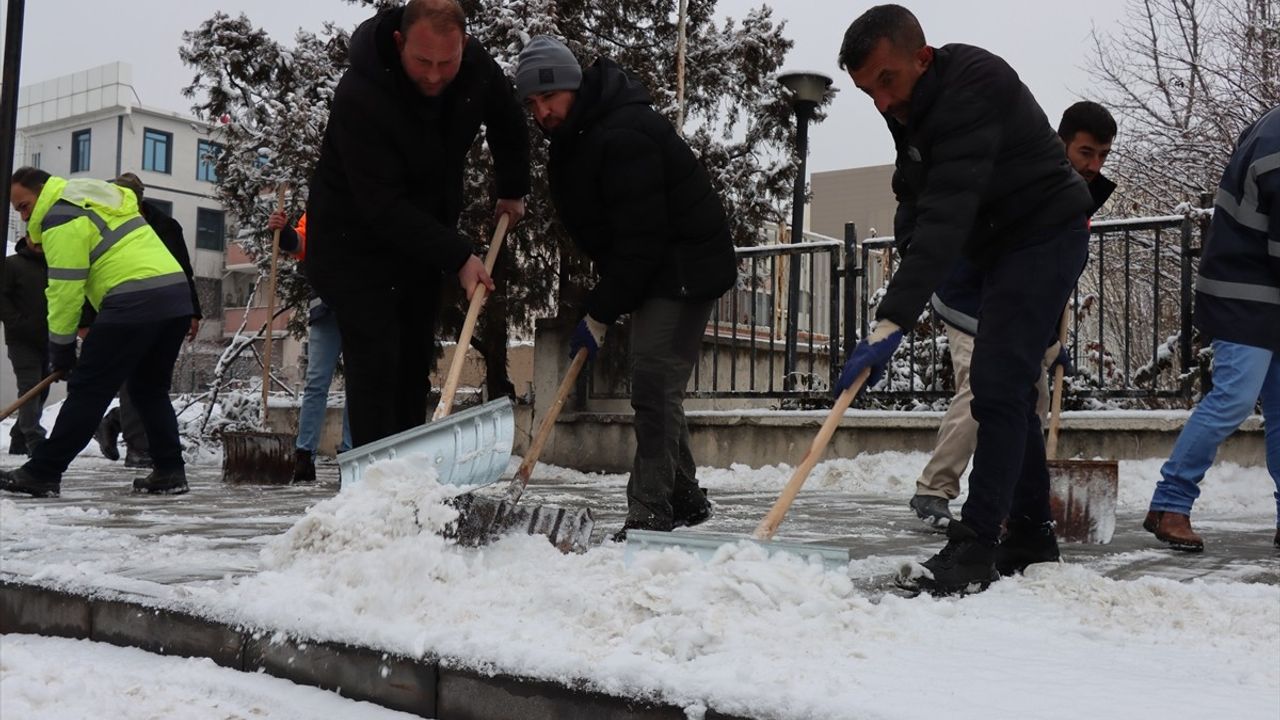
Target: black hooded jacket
x=23 y=307
x=636 y=199
x=170 y=232
x=978 y=165
x=388 y=187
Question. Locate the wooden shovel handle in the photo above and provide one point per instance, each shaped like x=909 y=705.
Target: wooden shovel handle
x=445 y=406
x=271 y=305
x=516 y=489
x=769 y=525
x=1055 y=414
x=30 y=394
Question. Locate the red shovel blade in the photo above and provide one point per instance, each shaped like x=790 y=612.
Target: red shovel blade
x=1082 y=496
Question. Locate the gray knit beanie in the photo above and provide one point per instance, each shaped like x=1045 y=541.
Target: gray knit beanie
x=546 y=64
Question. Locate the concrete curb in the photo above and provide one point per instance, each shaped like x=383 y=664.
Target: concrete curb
x=419 y=686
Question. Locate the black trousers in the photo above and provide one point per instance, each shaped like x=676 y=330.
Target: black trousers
x=1023 y=294
x=30 y=365
x=142 y=354
x=666 y=336
x=387 y=339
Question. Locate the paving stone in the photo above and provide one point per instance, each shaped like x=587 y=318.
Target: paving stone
x=358 y=673
x=469 y=696
x=36 y=610
x=165 y=632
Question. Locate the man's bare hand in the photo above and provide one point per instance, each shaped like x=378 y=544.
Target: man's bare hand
x=473 y=275
x=514 y=208
x=195 y=329
x=277 y=221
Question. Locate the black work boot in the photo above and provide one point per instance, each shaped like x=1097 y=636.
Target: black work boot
x=652 y=523
x=695 y=512
x=137 y=458
x=933 y=510
x=108 y=434
x=966 y=564
x=18 y=480
x=304 y=466
x=18 y=443
x=1026 y=543
x=162 y=482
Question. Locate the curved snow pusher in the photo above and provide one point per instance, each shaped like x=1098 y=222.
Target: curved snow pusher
x=705 y=545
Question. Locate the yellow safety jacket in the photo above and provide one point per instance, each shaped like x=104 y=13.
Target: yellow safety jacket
x=97 y=245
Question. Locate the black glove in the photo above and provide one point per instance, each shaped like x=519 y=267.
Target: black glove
x=1063 y=360
x=62 y=356
x=590 y=335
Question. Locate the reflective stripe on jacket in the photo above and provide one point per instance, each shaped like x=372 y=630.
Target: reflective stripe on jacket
x=96 y=244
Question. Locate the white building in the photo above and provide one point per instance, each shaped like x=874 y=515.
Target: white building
x=91 y=125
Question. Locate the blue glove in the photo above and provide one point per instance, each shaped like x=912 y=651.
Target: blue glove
x=1063 y=360
x=590 y=335
x=874 y=355
x=62 y=356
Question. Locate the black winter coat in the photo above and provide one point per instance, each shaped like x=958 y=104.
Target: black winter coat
x=170 y=232
x=977 y=166
x=388 y=187
x=23 y=307
x=636 y=199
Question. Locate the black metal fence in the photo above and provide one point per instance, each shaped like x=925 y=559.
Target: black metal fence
x=1130 y=323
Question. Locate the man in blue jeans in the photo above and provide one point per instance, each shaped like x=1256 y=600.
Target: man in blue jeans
x=1238 y=305
x=324 y=347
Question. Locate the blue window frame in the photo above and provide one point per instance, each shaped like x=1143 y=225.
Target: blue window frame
x=207 y=160
x=157 y=151
x=81 y=143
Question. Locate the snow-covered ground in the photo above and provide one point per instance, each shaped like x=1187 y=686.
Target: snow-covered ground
x=770 y=637
x=58 y=679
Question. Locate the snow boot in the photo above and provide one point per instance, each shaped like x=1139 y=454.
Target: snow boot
x=932 y=510
x=304 y=466
x=108 y=434
x=693 y=513
x=1026 y=543
x=652 y=523
x=17 y=442
x=162 y=482
x=1174 y=529
x=18 y=480
x=965 y=565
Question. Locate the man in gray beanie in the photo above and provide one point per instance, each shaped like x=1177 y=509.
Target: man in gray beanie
x=637 y=201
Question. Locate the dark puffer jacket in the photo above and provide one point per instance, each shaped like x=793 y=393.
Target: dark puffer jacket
x=636 y=200
x=23 y=307
x=977 y=166
x=388 y=187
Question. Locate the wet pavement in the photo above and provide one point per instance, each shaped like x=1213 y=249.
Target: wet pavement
x=114 y=536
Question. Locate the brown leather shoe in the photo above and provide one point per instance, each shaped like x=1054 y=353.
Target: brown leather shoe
x=1175 y=529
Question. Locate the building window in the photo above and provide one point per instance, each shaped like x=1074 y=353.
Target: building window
x=207 y=160
x=80 y=144
x=210 y=229
x=162 y=205
x=35 y=160
x=157 y=151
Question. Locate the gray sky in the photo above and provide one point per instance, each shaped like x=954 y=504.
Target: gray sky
x=1045 y=41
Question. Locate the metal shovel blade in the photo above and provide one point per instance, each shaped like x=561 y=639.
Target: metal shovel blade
x=1082 y=497
x=483 y=518
x=471 y=448
x=705 y=546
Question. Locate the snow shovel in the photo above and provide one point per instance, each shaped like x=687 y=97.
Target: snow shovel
x=29 y=395
x=469 y=449
x=706 y=544
x=483 y=518
x=1082 y=493
x=262 y=458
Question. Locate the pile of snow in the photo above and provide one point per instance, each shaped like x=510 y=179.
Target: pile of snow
x=52 y=678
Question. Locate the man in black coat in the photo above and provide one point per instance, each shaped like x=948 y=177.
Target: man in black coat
x=125 y=418
x=387 y=193
x=24 y=311
x=637 y=201
x=980 y=173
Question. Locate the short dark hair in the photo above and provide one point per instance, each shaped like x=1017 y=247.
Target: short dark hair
x=442 y=15
x=31 y=178
x=1090 y=117
x=893 y=22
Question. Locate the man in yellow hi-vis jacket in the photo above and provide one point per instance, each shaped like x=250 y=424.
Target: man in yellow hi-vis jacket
x=99 y=248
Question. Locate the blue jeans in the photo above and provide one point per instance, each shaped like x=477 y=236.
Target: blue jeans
x=324 y=347
x=1241 y=375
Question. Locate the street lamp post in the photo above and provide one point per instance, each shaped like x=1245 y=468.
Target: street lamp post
x=806 y=92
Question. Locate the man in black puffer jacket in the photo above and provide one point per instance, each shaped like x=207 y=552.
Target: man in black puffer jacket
x=24 y=311
x=387 y=193
x=980 y=173
x=638 y=202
